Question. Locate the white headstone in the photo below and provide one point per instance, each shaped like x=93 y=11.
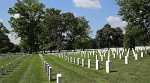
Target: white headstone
x=96 y=57
x=78 y=61
x=89 y=63
x=120 y=56
x=114 y=55
x=104 y=54
x=102 y=58
x=97 y=65
x=59 y=78
x=126 y=59
x=68 y=59
x=142 y=54
x=108 y=58
x=48 y=70
x=50 y=73
x=107 y=67
x=83 y=62
x=136 y=56
x=88 y=56
x=84 y=55
x=71 y=59
x=74 y=60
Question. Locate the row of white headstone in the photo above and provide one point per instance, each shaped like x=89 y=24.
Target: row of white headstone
x=120 y=53
x=103 y=51
x=10 y=65
x=48 y=70
x=6 y=57
x=69 y=59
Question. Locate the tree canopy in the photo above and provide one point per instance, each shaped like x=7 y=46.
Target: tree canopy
x=137 y=14
x=47 y=29
x=109 y=37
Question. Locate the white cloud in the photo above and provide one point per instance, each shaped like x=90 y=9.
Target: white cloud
x=95 y=4
x=116 y=22
x=16 y=16
x=1 y=20
x=13 y=39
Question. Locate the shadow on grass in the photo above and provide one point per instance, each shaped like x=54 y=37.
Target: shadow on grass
x=101 y=68
x=10 y=70
x=53 y=74
x=4 y=75
x=114 y=71
x=53 y=80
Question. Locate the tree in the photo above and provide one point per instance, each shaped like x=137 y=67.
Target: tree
x=27 y=25
x=5 y=44
x=52 y=20
x=109 y=37
x=129 y=37
x=117 y=37
x=137 y=14
x=83 y=30
x=71 y=29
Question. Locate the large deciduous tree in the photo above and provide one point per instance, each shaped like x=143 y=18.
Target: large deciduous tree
x=137 y=14
x=52 y=29
x=83 y=30
x=27 y=25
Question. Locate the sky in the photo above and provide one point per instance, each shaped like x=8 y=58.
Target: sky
x=97 y=12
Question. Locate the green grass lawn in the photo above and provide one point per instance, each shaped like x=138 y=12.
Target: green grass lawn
x=31 y=70
x=136 y=71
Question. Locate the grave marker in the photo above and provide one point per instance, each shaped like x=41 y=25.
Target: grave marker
x=59 y=78
x=97 y=65
x=78 y=61
x=89 y=63
x=126 y=59
x=83 y=62
x=50 y=73
x=107 y=66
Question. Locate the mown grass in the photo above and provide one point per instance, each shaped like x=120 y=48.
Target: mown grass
x=136 y=71
x=29 y=71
